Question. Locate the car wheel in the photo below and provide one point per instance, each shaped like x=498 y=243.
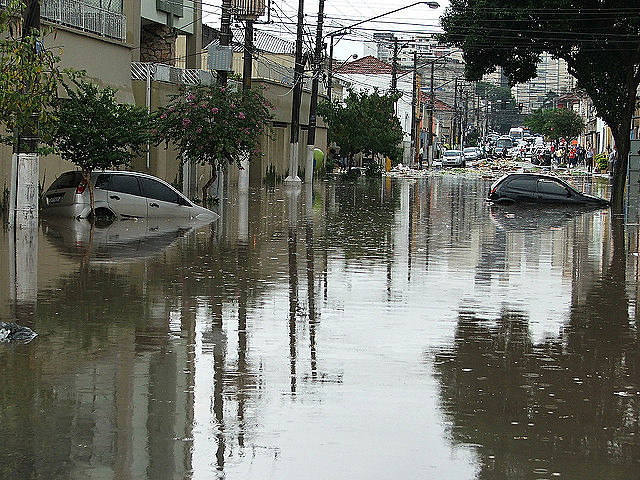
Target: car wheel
x=464 y=164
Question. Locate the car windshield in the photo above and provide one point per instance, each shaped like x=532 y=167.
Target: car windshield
x=469 y=149
x=452 y=153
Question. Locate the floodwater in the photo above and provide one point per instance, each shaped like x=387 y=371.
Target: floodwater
x=394 y=328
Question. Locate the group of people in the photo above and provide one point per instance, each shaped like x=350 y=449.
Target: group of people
x=579 y=155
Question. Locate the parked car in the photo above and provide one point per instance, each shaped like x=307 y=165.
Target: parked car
x=453 y=158
x=121 y=195
x=472 y=153
x=539 y=188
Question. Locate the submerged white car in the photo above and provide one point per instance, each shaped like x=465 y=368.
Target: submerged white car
x=121 y=195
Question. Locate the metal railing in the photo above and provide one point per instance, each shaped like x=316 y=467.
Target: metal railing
x=166 y=73
x=87 y=18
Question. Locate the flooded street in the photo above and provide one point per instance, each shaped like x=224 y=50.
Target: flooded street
x=393 y=328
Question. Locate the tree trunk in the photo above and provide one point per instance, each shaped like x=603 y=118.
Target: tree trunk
x=206 y=186
x=623 y=145
x=86 y=176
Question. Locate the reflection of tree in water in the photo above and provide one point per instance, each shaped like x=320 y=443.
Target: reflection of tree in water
x=566 y=405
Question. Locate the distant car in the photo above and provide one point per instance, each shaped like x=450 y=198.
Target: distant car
x=504 y=146
x=121 y=195
x=472 y=153
x=453 y=158
x=539 y=188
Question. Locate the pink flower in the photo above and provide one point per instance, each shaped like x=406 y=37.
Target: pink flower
x=185 y=122
x=154 y=131
x=163 y=116
x=246 y=131
x=190 y=97
x=199 y=129
x=214 y=110
x=172 y=108
x=241 y=115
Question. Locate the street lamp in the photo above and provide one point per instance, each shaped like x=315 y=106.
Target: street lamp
x=345 y=30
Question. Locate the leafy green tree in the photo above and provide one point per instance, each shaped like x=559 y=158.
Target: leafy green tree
x=555 y=123
x=213 y=125
x=96 y=132
x=599 y=40
x=364 y=123
x=29 y=81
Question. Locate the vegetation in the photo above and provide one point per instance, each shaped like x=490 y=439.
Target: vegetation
x=29 y=81
x=364 y=123
x=213 y=125
x=94 y=131
x=504 y=111
x=555 y=123
x=599 y=40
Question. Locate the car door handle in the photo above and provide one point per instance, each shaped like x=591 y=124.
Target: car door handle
x=154 y=205
x=114 y=197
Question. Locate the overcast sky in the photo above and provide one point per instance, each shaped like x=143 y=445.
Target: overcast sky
x=342 y=13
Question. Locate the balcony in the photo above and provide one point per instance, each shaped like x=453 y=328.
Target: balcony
x=159 y=72
x=88 y=18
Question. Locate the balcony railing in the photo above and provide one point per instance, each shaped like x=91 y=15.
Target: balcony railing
x=166 y=73
x=87 y=18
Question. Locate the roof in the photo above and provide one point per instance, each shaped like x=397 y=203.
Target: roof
x=368 y=65
x=439 y=105
x=262 y=41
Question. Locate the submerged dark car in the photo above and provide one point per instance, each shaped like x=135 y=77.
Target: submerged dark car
x=539 y=188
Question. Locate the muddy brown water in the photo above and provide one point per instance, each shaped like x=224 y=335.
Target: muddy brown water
x=394 y=328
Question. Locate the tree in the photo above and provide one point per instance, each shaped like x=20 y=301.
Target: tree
x=504 y=111
x=364 y=123
x=555 y=123
x=213 y=125
x=599 y=40
x=29 y=81
x=96 y=132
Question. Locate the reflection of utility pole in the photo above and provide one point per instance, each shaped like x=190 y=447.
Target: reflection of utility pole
x=414 y=126
x=454 y=120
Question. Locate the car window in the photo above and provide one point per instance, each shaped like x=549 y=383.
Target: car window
x=528 y=184
x=551 y=187
x=67 y=180
x=124 y=184
x=158 y=191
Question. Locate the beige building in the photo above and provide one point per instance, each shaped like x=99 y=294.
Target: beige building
x=146 y=48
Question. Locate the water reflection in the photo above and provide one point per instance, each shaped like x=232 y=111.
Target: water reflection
x=198 y=351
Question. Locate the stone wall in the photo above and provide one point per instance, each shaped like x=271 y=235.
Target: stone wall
x=158 y=44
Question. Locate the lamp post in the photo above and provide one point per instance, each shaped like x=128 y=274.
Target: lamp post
x=345 y=30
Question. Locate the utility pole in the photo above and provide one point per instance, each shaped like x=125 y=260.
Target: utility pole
x=414 y=95
x=247 y=65
x=297 y=98
x=23 y=194
x=394 y=66
x=225 y=35
x=432 y=106
x=454 y=121
x=313 y=107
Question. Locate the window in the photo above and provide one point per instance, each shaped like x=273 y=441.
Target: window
x=124 y=184
x=527 y=184
x=158 y=191
x=67 y=180
x=551 y=187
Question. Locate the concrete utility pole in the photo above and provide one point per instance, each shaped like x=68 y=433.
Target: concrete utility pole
x=394 y=66
x=225 y=35
x=414 y=98
x=23 y=193
x=313 y=107
x=298 y=76
x=432 y=106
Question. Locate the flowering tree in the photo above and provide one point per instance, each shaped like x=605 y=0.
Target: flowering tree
x=213 y=125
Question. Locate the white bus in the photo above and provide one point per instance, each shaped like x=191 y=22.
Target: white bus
x=516 y=133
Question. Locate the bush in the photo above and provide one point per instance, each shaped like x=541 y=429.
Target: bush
x=373 y=169
x=601 y=162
